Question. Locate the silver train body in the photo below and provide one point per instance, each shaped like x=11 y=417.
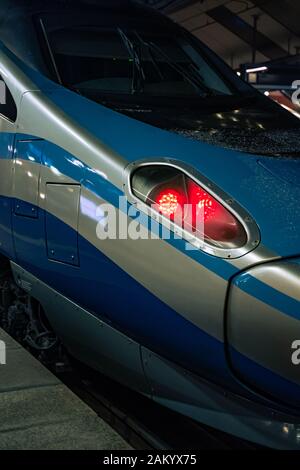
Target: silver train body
x=205 y=332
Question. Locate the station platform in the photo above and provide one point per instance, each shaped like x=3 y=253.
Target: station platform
x=38 y=412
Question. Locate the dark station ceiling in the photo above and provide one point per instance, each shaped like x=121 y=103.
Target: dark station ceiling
x=227 y=26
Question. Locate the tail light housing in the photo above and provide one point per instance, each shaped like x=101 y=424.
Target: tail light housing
x=192 y=208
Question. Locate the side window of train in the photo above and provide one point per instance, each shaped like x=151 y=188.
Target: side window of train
x=8 y=107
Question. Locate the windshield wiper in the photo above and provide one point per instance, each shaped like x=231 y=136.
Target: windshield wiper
x=139 y=78
x=192 y=79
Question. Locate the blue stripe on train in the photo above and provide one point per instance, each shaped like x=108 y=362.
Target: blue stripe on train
x=102 y=287
x=58 y=159
x=269 y=295
x=6 y=241
x=264 y=380
x=6 y=145
x=237 y=173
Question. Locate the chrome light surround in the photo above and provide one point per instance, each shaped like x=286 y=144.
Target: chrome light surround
x=249 y=225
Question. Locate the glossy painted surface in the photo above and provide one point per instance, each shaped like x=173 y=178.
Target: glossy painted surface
x=263 y=321
x=269 y=200
x=205 y=402
x=117 y=355
x=157 y=293
x=61 y=239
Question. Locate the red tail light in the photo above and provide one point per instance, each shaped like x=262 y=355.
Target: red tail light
x=191 y=207
x=169 y=202
x=219 y=223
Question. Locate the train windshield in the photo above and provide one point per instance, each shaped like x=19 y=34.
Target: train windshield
x=130 y=62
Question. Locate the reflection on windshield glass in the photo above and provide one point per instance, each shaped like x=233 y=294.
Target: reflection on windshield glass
x=132 y=62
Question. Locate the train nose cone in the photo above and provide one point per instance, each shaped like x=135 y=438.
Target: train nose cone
x=264 y=330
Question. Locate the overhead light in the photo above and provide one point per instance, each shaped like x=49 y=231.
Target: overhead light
x=238 y=73
x=257 y=69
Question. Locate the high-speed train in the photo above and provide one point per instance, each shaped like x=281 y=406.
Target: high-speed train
x=112 y=119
